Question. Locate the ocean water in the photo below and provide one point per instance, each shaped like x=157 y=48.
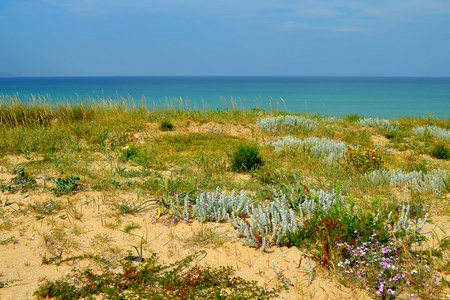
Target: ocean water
x=368 y=96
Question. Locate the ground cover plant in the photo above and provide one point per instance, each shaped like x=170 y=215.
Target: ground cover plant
x=22 y=181
x=161 y=282
x=102 y=200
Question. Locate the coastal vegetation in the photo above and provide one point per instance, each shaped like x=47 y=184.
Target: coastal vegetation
x=94 y=186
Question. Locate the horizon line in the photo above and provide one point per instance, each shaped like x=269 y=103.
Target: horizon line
x=204 y=76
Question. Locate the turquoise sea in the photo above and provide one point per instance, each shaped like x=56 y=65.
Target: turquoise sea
x=367 y=96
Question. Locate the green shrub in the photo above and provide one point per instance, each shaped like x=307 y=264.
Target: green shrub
x=440 y=152
x=134 y=154
x=166 y=126
x=246 y=158
x=129 y=153
x=353 y=118
x=395 y=135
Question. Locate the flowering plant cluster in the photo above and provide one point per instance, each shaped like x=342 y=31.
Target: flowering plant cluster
x=363 y=160
x=387 y=270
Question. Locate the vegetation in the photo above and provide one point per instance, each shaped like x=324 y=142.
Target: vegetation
x=361 y=160
x=150 y=280
x=166 y=125
x=347 y=191
x=440 y=151
x=65 y=185
x=246 y=158
x=22 y=181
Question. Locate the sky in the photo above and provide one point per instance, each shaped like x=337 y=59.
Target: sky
x=217 y=37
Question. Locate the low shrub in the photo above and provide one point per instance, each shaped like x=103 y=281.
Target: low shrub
x=128 y=153
x=353 y=118
x=395 y=135
x=134 y=154
x=246 y=158
x=440 y=152
x=166 y=125
x=330 y=218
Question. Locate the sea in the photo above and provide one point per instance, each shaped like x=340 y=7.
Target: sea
x=380 y=97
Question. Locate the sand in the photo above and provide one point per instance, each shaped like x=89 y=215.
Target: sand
x=75 y=235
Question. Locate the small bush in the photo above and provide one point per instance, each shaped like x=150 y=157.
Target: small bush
x=134 y=154
x=166 y=126
x=440 y=152
x=396 y=135
x=353 y=118
x=246 y=158
x=129 y=153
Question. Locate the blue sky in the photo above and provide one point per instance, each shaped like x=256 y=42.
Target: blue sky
x=216 y=37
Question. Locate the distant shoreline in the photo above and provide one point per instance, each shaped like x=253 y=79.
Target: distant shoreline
x=11 y=75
